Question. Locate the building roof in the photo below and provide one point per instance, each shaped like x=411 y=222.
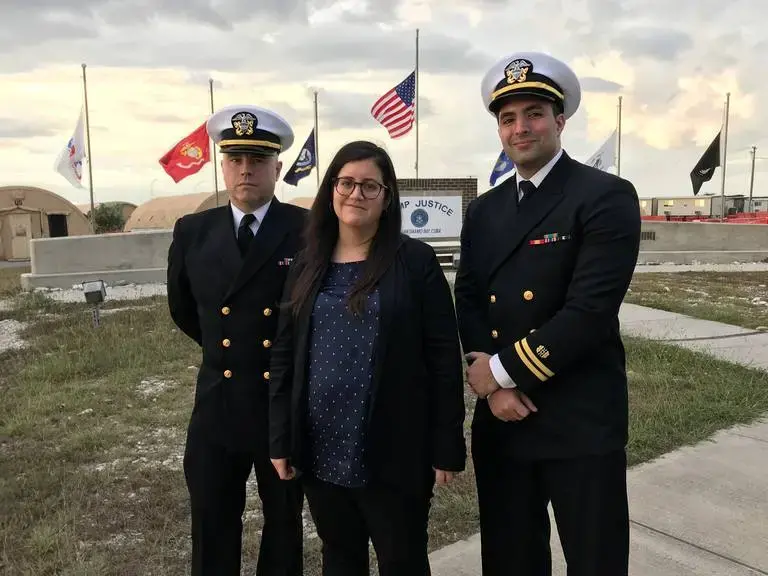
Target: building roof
x=162 y=212
x=85 y=208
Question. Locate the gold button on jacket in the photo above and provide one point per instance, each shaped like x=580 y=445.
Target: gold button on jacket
x=225 y=310
x=266 y=375
x=494 y=334
x=227 y=373
x=267 y=311
x=267 y=343
x=226 y=343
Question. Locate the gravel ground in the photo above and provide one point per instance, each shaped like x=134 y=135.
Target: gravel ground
x=135 y=291
x=735 y=267
x=128 y=292
x=9 y=335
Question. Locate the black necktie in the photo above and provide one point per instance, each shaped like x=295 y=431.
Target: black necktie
x=245 y=234
x=527 y=188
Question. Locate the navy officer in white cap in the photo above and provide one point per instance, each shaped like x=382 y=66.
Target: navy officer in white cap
x=226 y=269
x=546 y=259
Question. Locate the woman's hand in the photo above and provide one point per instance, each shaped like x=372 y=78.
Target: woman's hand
x=443 y=477
x=284 y=470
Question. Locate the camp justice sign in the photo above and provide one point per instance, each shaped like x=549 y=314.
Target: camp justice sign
x=431 y=216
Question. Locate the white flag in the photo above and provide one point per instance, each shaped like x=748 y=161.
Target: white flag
x=70 y=161
x=605 y=157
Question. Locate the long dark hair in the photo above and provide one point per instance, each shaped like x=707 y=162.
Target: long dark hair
x=322 y=231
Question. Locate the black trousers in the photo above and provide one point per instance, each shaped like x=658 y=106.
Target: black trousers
x=346 y=518
x=216 y=479
x=589 y=500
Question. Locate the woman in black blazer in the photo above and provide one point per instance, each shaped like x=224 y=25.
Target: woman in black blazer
x=366 y=387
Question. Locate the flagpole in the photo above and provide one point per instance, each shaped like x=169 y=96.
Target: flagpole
x=725 y=153
x=215 y=163
x=317 y=149
x=618 y=151
x=417 y=104
x=88 y=145
x=753 y=152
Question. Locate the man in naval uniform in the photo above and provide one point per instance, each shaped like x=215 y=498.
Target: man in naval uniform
x=546 y=259
x=226 y=268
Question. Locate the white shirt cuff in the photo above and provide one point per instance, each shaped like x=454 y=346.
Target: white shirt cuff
x=500 y=374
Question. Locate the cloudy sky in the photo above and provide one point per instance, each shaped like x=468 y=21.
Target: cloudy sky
x=149 y=61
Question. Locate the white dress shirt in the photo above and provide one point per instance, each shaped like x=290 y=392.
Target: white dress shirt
x=260 y=213
x=497 y=368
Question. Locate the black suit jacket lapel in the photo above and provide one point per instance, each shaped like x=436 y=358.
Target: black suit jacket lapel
x=533 y=210
x=225 y=244
x=388 y=291
x=269 y=236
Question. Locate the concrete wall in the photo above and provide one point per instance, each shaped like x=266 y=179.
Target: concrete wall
x=707 y=242
x=129 y=257
x=703 y=236
x=139 y=257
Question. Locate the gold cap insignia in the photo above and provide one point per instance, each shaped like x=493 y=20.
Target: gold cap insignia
x=517 y=71
x=244 y=123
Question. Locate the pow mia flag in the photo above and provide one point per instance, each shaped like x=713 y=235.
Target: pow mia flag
x=706 y=165
x=304 y=162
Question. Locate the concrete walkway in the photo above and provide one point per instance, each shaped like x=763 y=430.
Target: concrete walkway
x=700 y=510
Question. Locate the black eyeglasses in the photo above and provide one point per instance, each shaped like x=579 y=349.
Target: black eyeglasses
x=370 y=189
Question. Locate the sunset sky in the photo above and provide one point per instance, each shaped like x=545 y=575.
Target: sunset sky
x=149 y=63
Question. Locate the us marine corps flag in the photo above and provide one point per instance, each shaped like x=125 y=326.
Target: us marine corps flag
x=706 y=165
x=188 y=156
x=304 y=163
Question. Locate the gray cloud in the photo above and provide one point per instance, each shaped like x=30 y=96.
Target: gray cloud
x=200 y=78
x=296 y=51
x=11 y=128
x=594 y=84
x=657 y=43
x=160 y=118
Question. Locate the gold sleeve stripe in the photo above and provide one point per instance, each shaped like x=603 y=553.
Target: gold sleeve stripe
x=528 y=364
x=535 y=359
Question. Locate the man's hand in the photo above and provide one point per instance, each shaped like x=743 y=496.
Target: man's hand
x=479 y=374
x=284 y=470
x=443 y=477
x=510 y=405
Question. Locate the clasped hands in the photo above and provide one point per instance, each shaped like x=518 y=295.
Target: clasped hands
x=507 y=404
x=287 y=472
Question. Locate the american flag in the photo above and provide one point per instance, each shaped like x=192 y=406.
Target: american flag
x=395 y=109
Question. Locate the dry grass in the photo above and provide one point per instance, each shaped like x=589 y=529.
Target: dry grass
x=92 y=429
x=10 y=284
x=739 y=298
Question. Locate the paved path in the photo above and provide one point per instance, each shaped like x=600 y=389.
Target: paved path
x=700 y=510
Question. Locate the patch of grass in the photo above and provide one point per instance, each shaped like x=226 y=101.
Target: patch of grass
x=10 y=280
x=679 y=397
x=739 y=298
x=92 y=428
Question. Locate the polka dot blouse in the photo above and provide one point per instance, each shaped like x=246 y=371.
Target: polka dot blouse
x=340 y=372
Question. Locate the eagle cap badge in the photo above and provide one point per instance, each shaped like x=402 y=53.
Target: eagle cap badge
x=517 y=70
x=244 y=123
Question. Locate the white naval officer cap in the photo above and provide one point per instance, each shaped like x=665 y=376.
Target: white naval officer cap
x=246 y=129
x=531 y=74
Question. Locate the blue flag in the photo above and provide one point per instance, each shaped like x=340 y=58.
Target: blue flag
x=502 y=166
x=304 y=163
